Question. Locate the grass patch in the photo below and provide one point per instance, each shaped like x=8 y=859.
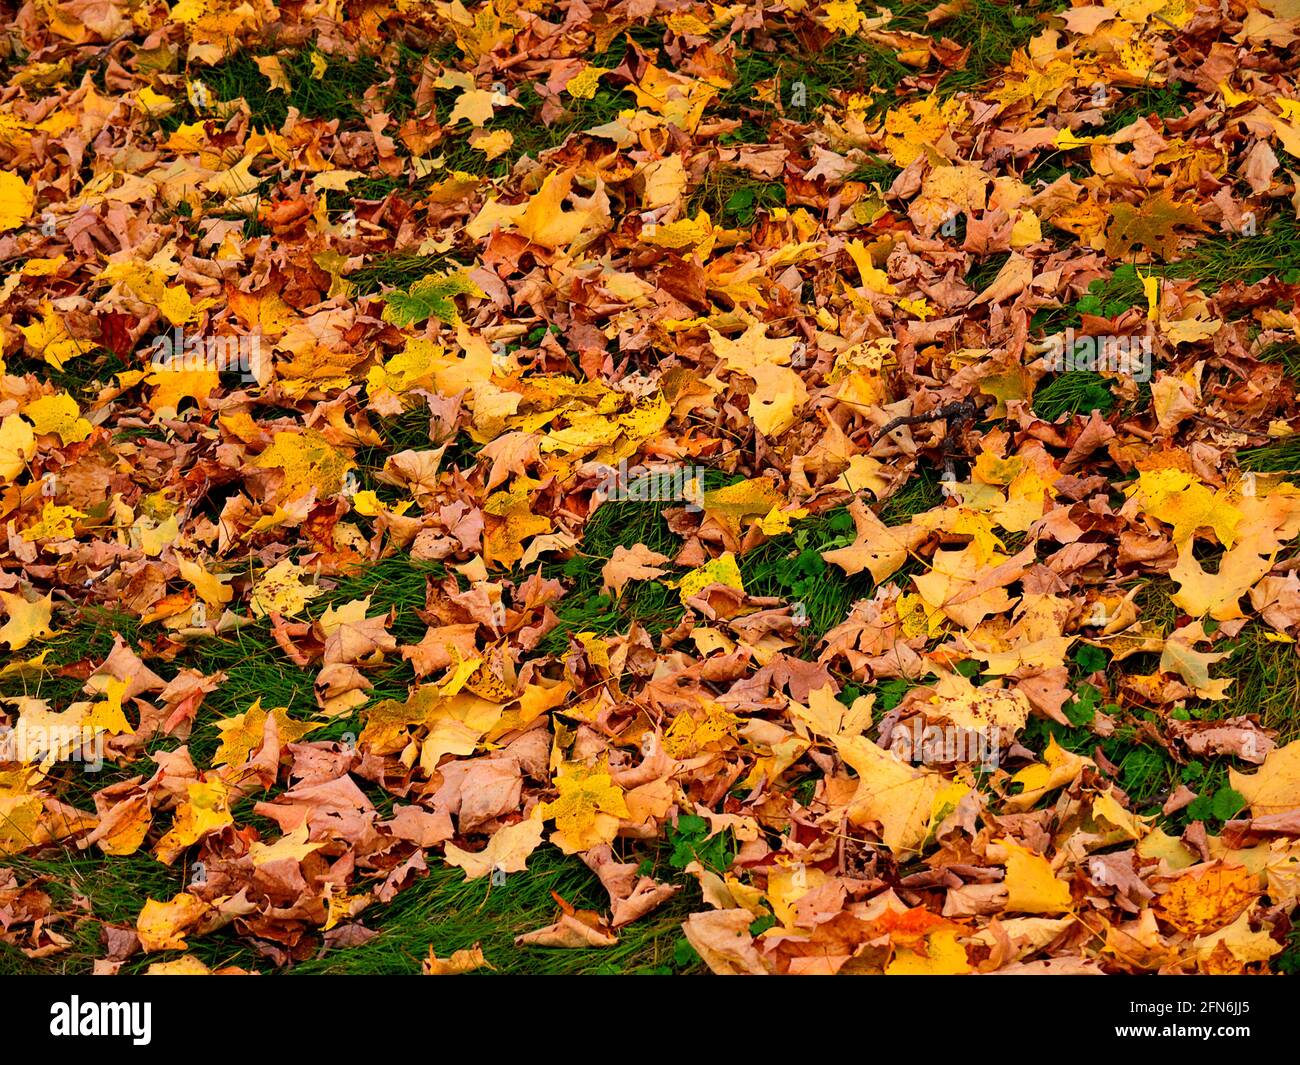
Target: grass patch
x=441 y=909
x=1265 y=681
x=791 y=567
x=320 y=86
x=992 y=31
x=876 y=171
x=1073 y=392
x=734 y=198
x=585 y=606
x=398 y=270
x=444 y=910
x=1282 y=457
x=985 y=272
x=921 y=493
x=532 y=137
x=1162 y=101
x=1287 y=354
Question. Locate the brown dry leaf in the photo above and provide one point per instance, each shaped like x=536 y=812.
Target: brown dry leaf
x=636 y=563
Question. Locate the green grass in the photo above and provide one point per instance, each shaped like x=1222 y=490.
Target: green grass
x=992 y=31
x=450 y=913
x=441 y=909
x=985 y=272
x=372 y=187
x=805 y=79
x=1282 y=457
x=920 y=493
x=1287 y=354
x=532 y=137
x=81 y=376
x=397 y=270
x=116 y=890
x=1212 y=262
x=1073 y=392
x=733 y=198
x=790 y=566
x=333 y=94
x=876 y=171
x=1266 y=684
x=1265 y=681
x=585 y=607
x=1163 y=101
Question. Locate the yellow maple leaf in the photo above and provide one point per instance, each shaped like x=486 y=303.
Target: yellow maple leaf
x=1179 y=499
x=172 y=386
x=1217 y=594
x=292 y=846
x=1204 y=900
x=211 y=587
x=970 y=584
x=476 y=106
x=1032 y=886
x=877 y=548
x=205 y=809
x=242 y=734
x=1061 y=767
x=55 y=523
x=507 y=850
x=1228 y=951
x=721 y=570
x=126 y=831
x=588 y=809
x=842 y=15
x=872 y=277
x=681 y=100
x=163 y=925
x=309 y=462
x=739 y=504
x=943 y=956
x=986 y=708
x=493 y=144
x=262 y=312
x=16 y=201
x=787 y=885
x=44 y=267
x=58 y=413
x=49 y=338
x=752 y=348
x=177 y=306
x=108 y=715
x=1275 y=787
x=1128 y=825
x=827 y=716
x=899 y=796
x=513 y=522
x=778 y=393
x=28 y=619
x=909 y=128
x=583 y=85
x=281 y=590
x=17 y=446
x=543 y=219
x=697 y=234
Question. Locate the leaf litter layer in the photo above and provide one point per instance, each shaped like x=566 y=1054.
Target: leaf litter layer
x=769 y=488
